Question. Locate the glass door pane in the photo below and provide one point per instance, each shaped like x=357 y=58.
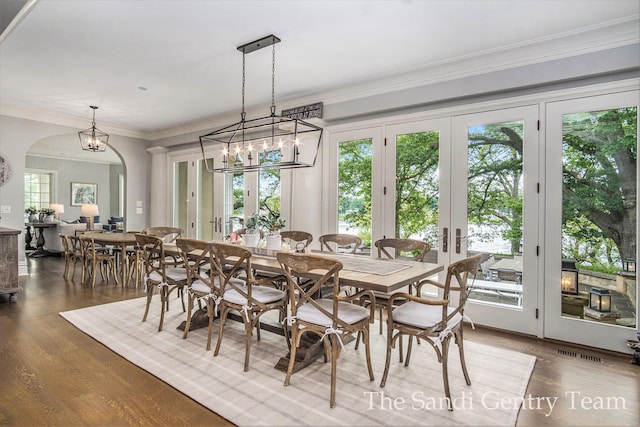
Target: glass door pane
x=591 y=289
x=599 y=240
x=207 y=220
x=494 y=186
x=181 y=195
x=495 y=208
x=354 y=189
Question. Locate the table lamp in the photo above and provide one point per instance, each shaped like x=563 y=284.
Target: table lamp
x=89 y=211
x=58 y=208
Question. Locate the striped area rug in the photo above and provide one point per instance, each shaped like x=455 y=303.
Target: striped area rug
x=412 y=396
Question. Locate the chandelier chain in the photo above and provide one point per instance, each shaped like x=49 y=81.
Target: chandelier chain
x=243 y=82
x=273 y=79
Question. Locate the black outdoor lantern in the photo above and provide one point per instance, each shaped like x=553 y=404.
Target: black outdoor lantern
x=629 y=265
x=600 y=299
x=569 y=278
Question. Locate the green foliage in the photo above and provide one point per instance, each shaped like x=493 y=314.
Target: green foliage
x=30 y=210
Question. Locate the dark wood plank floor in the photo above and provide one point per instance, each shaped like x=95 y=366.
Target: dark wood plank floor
x=53 y=374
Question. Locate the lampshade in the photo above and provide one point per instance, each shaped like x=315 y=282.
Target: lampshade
x=93 y=139
x=59 y=208
x=89 y=210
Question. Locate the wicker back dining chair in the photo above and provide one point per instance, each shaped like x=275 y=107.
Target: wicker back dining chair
x=159 y=274
x=332 y=319
x=243 y=293
x=341 y=240
x=432 y=320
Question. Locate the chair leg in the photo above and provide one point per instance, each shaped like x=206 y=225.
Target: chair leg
x=460 y=341
x=210 y=312
x=224 y=310
x=295 y=341
x=445 y=370
x=248 y=327
x=367 y=348
x=150 y=289
x=388 y=359
x=188 y=322
x=335 y=349
x=164 y=300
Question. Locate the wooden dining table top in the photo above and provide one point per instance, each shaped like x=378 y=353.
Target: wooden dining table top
x=128 y=239
x=358 y=270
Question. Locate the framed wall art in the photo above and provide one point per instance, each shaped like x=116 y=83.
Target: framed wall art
x=83 y=193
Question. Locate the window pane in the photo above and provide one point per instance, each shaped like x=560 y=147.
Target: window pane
x=354 y=188
x=494 y=207
x=599 y=215
x=417 y=178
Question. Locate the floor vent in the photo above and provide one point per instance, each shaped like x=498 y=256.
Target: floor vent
x=567 y=353
x=582 y=356
x=591 y=358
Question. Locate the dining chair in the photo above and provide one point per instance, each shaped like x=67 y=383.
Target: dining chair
x=159 y=274
x=435 y=321
x=332 y=319
x=70 y=255
x=76 y=251
x=392 y=248
x=243 y=293
x=348 y=241
x=95 y=259
x=202 y=284
x=167 y=234
x=292 y=238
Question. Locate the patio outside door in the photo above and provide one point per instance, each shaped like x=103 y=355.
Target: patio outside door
x=494 y=211
x=592 y=180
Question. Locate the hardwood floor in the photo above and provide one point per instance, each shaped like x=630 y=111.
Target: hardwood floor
x=53 y=374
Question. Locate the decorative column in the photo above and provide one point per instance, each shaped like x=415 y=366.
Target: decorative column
x=159 y=206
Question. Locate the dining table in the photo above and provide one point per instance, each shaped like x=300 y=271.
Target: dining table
x=359 y=271
x=117 y=239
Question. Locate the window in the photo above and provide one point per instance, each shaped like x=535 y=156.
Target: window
x=38 y=189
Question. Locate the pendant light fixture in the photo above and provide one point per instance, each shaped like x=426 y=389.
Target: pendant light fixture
x=93 y=139
x=269 y=142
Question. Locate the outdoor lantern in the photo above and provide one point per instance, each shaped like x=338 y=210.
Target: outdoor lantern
x=629 y=265
x=569 y=278
x=600 y=299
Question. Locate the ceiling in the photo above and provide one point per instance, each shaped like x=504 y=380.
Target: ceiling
x=157 y=66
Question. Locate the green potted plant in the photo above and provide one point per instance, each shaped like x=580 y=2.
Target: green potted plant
x=252 y=235
x=272 y=223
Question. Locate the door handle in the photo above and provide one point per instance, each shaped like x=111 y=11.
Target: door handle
x=459 y=238
x=215 y=224
x=445 y=239
x=220 y=224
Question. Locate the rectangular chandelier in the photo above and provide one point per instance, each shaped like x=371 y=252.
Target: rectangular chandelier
x=269 y=142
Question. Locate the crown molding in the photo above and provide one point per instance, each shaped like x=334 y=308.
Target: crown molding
x=610 y=35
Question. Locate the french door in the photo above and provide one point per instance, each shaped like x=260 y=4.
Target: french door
x=495 y=211
x=198 y=199
x=592 y=220
x=463 y=185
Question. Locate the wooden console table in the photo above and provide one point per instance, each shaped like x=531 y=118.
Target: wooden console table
x=39 y=227
x=9 y=263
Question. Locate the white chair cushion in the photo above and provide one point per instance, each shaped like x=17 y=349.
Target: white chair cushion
x=262 y=294
x=201 y=287
x=423 y=316
x=348 y=313
x=176 y=274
